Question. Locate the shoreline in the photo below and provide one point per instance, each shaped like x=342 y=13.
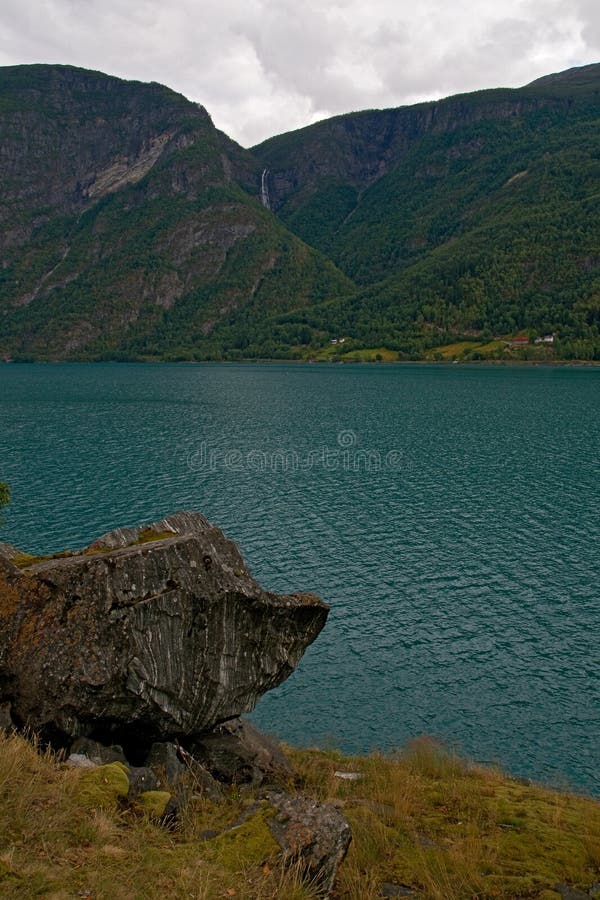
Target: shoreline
x=424 y=824
x=491 y=363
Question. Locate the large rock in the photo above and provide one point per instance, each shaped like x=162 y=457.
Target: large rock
x=149 y=634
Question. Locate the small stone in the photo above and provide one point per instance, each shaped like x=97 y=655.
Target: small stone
x=570 y=893
x=80 y=761
x=141 y=780
x=98 y=753
x=208 y=834
x=102 y=786
x=348 y=776
x=424 y=841
x=248 y=842
x=203 y=782
x=166 y=764
x=388 y=889
x=6 y=722
x=198 y=778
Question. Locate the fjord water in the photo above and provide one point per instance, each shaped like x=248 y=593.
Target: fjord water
x=449 y=515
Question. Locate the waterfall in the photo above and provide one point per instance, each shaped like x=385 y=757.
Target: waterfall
x=264 y=190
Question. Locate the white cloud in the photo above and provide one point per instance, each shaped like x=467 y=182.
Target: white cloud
x=265 y=66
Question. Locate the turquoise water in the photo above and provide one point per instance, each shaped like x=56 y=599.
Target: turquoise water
x=450 y=516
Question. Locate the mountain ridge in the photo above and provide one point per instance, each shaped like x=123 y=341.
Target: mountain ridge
x=130 y=227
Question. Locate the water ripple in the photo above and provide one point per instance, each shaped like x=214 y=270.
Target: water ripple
x=463 y=581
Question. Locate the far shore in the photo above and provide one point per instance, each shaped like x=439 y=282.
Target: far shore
x=554 y=363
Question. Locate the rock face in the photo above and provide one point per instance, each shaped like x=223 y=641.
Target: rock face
x=97 y=169
x=149 y=634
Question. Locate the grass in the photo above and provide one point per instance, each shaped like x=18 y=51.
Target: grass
x=62 y=836
x=498 y=348
x=492 y=347
x=454 y=351
x=424 y=819
x=337 y=352
x=430 y=821
x=377 y=354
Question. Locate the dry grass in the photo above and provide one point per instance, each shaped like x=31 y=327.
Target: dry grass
x=451 y=831
x=54 y=845
x=424 y=819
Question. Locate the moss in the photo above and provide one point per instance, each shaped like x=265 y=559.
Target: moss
x=154 y=803
x=24 y=560
x=101 y=788
x=247 y=844
x=147 y=535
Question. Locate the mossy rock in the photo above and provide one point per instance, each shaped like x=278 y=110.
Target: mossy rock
x=247 y=844
x=104 y=786
x=147 y=535
x=154 y=803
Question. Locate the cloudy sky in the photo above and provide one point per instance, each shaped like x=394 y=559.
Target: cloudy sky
x=266 y=66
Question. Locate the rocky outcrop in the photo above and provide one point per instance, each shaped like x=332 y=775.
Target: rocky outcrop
x=236 y=753
x=154 y=639
x=90 y=117
x=149 y=634
x=315 y=836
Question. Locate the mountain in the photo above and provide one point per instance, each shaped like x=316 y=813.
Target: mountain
x=472 y=215
x=132 y=228
x=129 y=225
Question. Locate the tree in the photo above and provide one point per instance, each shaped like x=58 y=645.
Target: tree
x=4 y=497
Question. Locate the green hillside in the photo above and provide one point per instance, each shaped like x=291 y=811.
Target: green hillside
x=485 y=220
x=131 y=228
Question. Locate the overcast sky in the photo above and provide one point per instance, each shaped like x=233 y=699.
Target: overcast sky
x=262 y=67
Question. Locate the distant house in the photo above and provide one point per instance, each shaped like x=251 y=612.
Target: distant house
x=547 y=339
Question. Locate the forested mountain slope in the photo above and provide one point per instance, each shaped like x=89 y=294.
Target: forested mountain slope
x=130 y=227
x=477 y=213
